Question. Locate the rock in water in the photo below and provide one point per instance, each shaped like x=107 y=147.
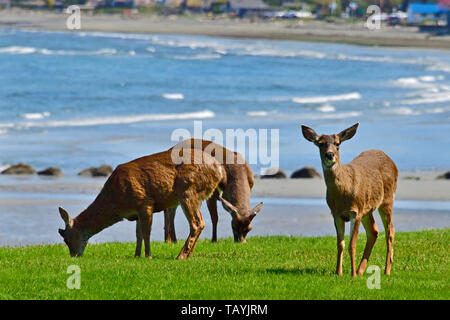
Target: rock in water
x=51 y=171
x=444 y=176
x=274 y=173
x=102 y=171
x=20 y=168
x=306 y=172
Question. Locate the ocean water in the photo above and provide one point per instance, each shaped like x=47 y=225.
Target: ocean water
x=79 y=99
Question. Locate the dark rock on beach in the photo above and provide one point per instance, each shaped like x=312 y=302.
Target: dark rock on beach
x=102 y=171
x=306 y=172
x=444 y=176
x=20 y=168
x=274 y=173
x=52 y=171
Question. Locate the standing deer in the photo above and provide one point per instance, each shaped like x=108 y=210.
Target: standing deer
x=354 y=191
x=236 y=191
x=137 y=189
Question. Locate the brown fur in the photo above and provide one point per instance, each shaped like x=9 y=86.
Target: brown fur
x=354 y=191
x=137 y=189
x=236 y=192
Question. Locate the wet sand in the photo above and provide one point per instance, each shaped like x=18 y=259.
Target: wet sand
x=350 y=33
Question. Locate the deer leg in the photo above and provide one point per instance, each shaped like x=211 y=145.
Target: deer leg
x=138 y=238
x=339 y=224
x=145 y=218
x=355 y=221
x=212 y=208
x=191 y=209
x=372 y=234
x=169 y=225
x=386 y=217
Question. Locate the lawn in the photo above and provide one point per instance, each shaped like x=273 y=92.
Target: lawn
x=275 y=267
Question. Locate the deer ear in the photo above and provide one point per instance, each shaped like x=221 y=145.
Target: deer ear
x=229 y=207
x=65 y=216
x=61 y=232
x=309 y=134
x=255 y=210
x=348 y=133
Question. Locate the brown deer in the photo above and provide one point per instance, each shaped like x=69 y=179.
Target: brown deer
x=236 y=191
x=137 y=189
x=354 y=191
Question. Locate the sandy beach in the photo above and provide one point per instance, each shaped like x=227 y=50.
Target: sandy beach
x=350 y=33
x=426 y=188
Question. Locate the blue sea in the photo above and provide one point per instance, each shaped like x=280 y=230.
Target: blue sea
x=79 y=99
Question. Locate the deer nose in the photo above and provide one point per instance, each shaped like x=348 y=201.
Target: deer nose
x=329 y=155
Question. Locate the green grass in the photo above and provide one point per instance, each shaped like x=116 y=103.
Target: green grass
x=264 y=268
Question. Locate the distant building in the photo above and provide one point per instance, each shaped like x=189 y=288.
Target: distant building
x=418 y=12
x=247 y=7
x=5 y=4
x=239 y=7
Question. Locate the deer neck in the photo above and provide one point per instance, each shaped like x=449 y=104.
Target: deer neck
x=238 y=195
x=98 y=216
x=335 y=177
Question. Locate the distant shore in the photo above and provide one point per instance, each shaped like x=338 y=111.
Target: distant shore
x=315 y=31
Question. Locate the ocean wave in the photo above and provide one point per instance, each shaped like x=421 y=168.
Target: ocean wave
x=429 y=98
x=257 y=113
x=45 y=51
x=326 y=108
x=199 y=57
x=18 y=50
x=111 y=120
x=331 y=116
x=35 y=116
x=324 y=99
x=402 y=111
x=173 y=96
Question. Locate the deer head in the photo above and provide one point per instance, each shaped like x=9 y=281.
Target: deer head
x=329 y=144
x=74 y=238
x=241 y=220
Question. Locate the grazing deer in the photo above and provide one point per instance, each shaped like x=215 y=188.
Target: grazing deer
x=137 y=189
x=236 y=191
x=354 y=191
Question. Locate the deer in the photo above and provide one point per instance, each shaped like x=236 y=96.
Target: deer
x=354 y=191
x=137 y=189
x=235 y=198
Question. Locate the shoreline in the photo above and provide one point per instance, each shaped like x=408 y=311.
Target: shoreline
x=311 y=31
x=427 y=187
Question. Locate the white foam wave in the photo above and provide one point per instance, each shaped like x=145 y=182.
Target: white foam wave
x=35 y=116
x=402 y=111
x=257 y=113
x=324 y=99
x=343 y=115
x=18 y=50
x=199 y=57
x=428 y=98
x=326 y=108
x=45 y=51
x=114 y=120
x=173 y=96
